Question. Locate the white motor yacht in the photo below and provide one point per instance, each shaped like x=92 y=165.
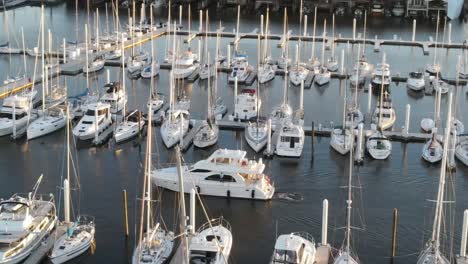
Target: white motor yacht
x=341 y=141
x=297 y=74
x=115 y=96
x=266 y=73
x=246 y=105
x=225 y=173
x=416 y=81
x=185 y=65
x=25 y=220
x=379 y=146
x=95 y=121
x=240 y=68
x=174 y=127
x=381 y=75
x=130 y=127
x=15 y=114
x=384 y=117
x=432 y=150
x=290 y=140
x=461 y=149
x=294 y=248
x=211 y=243
x=54 y=120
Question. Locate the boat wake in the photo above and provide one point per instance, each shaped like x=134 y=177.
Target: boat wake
x=290 y=197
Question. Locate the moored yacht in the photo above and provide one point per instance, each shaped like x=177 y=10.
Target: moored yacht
x=246 y=104
x=240 y=68
x=129 y=128
x=297 y=74
x=115 y=96
x=185 y=65
x=24 y=221
x=225 y=173
x=137 y=62
x=294 y=248
x=54 y=120
x=290 y=141
x=461 y=150
x=384 y=116
x=151 y=70
x=266 y=73
x=379 y=146
x=433 y=150
x=256 y=134
x=95 y=121
x=381 y=75
x=416 y=81
x=211 y=243
x=341 y=140
x=94 y=66
x=174 y=127
x=15 y=114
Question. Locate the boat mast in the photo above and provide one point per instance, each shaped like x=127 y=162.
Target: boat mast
x=364 y=35
x=148 y=176
x=44 y=77
x=440 y=192
x=24 y=52
x=123 y=78
x=237 y=29
x=349 y=201
x=323 y=40
x=209 y=90
x=67 y=184
x=312 y=55
x=183 y=216
x=437 y=36
x=381 y=92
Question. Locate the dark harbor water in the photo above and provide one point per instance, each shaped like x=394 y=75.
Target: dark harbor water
x=404 y=181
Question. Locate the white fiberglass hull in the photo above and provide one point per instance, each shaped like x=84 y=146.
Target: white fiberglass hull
x=461 y=152
x=157 y=251
x=434 y=154
x=172 y=133
x=265 y=74
x=168 y=179
x=7 y=125
x=207 y=136
x=150 y=71
x=127 y=130
x=379 y=147
x=256 y=137
x=415 y=84
x=322 y=78
x=45 y=125
x=340 y=142
x=65 y=249
x=184 y=72
x=90 y=131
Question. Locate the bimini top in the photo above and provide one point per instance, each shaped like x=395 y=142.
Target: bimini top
x=231 y=161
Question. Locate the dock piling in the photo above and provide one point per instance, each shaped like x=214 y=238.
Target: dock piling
x=369 y=98
x=449 y=34
x=261 y=25
x=359 y=148
x=125 y=212
x=464 y=234
x=394 y=233
x=324 y=222
x=407 y=120
x=228 y=55
x=354 y=29
x=305 y=25
x=413 y=37
x=312 y=141
x=269 y=137
x=108 y=76
x=64 y=51
x=180 y=14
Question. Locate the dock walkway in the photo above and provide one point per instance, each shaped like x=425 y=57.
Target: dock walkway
x=46 y=246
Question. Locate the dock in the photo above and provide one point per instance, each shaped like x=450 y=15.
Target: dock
x=46 y=246
x=462 y=260
x=188 y=139
x=323 y=254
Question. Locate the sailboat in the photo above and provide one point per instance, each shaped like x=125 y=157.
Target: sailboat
x=176 y=121
x=219 y=109
x=151 y=70
x=298 y=72
x=433 y=151
x=384 y=114
x=284 y=60
x=266 y=72
x=284 y=111
x=461 y=149
x=256 y=131
x=239 y=64
x=345 y=255
x=323 y=76
x=332 y=62
x=207 y=136
x=80 y=233
x=314 y=63
x=25 y=219
x=341 y=138
x=432 y=253
x=434 y=68
x=156 y=244
x=207 y=70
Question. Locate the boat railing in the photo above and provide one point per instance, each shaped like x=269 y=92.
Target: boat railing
x=305 y=236
x=41 y=197
x=215 y=222
x=85 y=220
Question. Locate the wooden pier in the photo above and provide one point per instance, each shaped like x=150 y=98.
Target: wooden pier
x=188 y=139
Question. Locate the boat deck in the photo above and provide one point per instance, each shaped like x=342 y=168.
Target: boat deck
x=46 y=246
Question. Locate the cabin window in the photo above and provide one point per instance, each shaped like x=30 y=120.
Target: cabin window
x=228 y=178
x=285 y=139
x=200 y=171
x=215 y=177
x=87 y=122
x=284 y=256
x=102 y=111
x=90 y=112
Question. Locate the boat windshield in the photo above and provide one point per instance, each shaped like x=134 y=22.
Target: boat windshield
x=12 y=212
x=199 y=256
x=284 y=256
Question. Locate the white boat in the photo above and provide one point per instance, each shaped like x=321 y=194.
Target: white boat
x=81 y=104
x=294 y=248
x=353 y=118
x=280 y=114
x=113 y=54
x=265 y=73
x=416 y=81
x=240 y=68
x=314 y=64
x=341 y=141
x=297 y=74
x=323 y=77
x=458 y=126
x=51 y=121
x=219 y=108
x=283 y=61
x=384 y=117
x=174 y=127
x=290 y=140
x=246 y=105
x=130 y=127
x=137 y=62
x=377 y=9
x=15 y=114
x=206 y=71
x=381 y=75
x=156 y=245
x=207 y=136
x=398 y=9
x=25 y=220
x=461 y=150
x=427 y=124
x=96 y=65
x=95 y=121
x=432 y=151
x=151 y=70
x=379 y=146
x=156 y=102
x=441 y=86
x=115 y=96
x=211 y=243
x=256 y=134
x=185 y=65
x=365 y=68
x=344 y=258
x=433 y=69
x=332 y=64
x=7 y=49
x=225 y=173
x=56 y=96
x=356 y=78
